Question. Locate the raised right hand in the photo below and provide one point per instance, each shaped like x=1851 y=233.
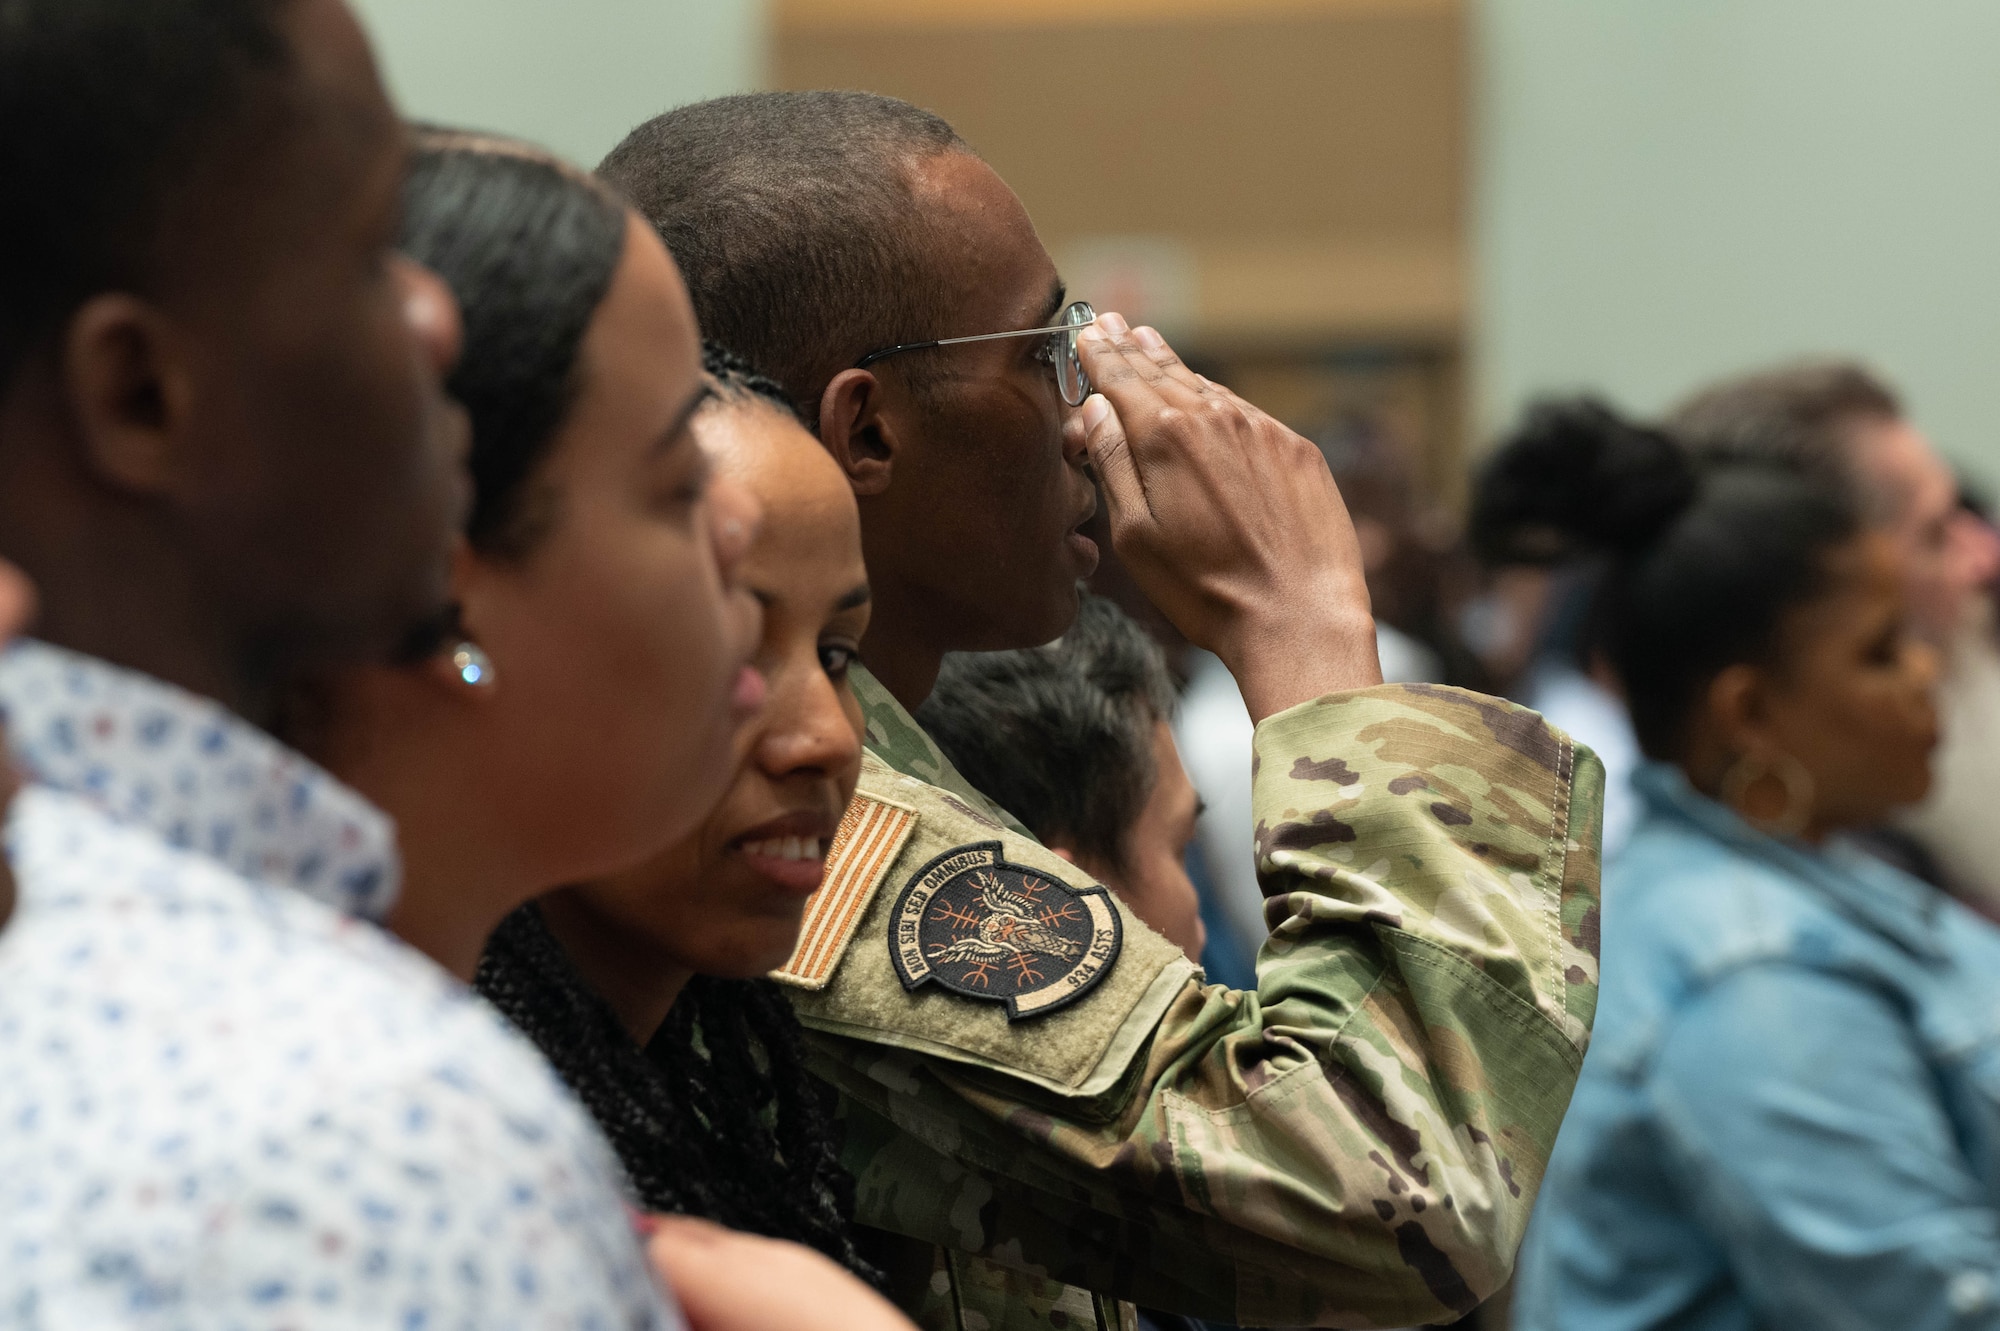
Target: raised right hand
x=1229 y=521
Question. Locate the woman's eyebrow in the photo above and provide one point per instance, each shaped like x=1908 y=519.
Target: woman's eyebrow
x=859 y=596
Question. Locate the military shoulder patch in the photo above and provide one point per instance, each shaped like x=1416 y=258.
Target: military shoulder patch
x=870 y=836
x=983 y=927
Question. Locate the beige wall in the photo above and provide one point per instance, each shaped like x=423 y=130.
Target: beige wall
x=1280 y=185
x=1671 y=191
x=574 y=75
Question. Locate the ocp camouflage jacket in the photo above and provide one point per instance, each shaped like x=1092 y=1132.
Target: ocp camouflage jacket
x=1356 y=1143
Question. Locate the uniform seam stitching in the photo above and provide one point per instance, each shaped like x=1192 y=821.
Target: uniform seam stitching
x=1559 y=839
x=951 y=1260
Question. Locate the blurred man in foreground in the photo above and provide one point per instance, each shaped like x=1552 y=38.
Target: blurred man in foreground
x=225 y=459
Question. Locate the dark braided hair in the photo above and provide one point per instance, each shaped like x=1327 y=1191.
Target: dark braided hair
x=717 y=1117
x=738 y=381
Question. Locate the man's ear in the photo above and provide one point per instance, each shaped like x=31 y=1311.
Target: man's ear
x=853 y=429
x=130 y=392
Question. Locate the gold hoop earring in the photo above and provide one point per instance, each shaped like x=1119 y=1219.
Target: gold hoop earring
x=1747 y=771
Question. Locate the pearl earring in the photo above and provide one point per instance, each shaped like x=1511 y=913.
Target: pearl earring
x=474 y=666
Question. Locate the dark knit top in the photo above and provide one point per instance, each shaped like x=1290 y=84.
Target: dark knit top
x=717 y=1117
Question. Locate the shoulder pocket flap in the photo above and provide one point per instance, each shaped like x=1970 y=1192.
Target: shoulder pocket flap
x=1079 y=1047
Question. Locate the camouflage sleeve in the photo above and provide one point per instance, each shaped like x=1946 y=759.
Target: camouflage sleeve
x=1357 y=1142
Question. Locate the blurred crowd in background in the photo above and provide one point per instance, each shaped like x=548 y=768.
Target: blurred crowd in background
x=1522 y=628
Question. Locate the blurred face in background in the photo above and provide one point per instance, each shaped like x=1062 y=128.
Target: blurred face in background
x=1848 y=696
x=1949 y=554
x=1152 y=876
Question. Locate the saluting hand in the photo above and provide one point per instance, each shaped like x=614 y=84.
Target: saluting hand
x=1228 y=520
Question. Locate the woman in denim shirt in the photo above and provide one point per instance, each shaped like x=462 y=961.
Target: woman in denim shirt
x=1790 y=1114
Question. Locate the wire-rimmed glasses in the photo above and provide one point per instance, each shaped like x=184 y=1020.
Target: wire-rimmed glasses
x=1059 y=354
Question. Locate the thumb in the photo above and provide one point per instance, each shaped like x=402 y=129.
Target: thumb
x=1111 y=455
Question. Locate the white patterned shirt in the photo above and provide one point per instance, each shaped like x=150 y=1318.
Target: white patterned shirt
x=225 y=1103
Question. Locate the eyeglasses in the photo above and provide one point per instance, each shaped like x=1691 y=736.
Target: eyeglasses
x=1059 y=353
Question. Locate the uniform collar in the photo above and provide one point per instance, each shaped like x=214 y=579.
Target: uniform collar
x=1876 y=895
x=895 y=737
x=196 y=774
x=893 y=734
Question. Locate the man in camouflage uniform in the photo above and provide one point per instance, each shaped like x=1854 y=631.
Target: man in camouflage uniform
x=1047 y=1112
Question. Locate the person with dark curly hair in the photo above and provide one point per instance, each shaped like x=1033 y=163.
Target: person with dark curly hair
x=646 y=989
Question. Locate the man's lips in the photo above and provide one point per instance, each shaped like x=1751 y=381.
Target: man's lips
x=1085 y=552
x=1083 y=549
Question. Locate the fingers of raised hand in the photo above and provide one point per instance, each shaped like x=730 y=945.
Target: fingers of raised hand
x=1116 y=365
x=1111 y=456
x=1143 y=357
x=1111 y=337
x=1171 y=366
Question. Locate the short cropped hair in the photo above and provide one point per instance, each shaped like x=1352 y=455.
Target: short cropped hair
x=794 y=220
x=1060 y=736
x=1802 y=417
x=106 y=108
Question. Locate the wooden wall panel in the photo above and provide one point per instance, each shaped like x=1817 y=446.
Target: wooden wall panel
x=1251 y=137
x=1294 y=172
x=1273 y=127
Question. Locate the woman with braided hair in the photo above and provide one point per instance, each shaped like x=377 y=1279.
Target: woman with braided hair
x=646 y=989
